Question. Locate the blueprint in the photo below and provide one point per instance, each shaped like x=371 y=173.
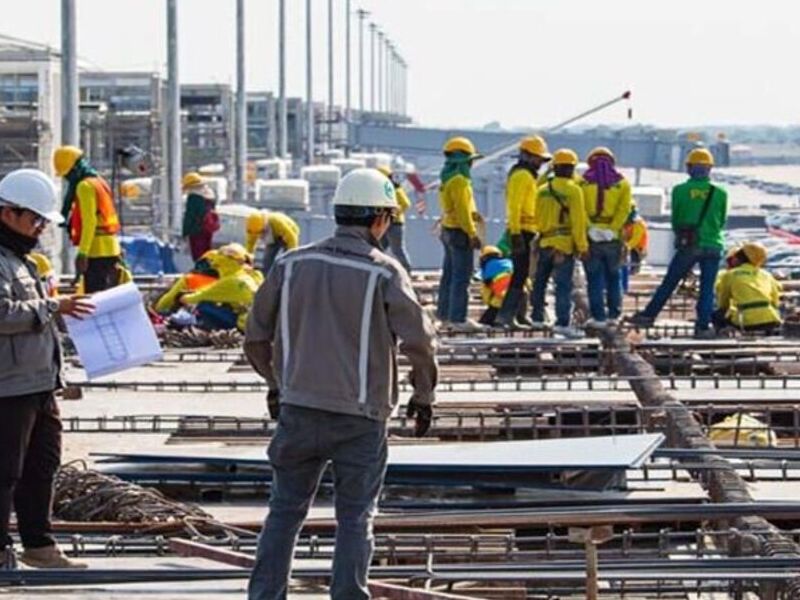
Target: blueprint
x=117 y=336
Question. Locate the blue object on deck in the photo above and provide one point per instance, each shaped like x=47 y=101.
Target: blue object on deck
x=146 y=255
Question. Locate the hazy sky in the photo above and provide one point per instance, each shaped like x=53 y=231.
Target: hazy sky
x=520 y=62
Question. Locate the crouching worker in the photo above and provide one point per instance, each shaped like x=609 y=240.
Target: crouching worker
x=496 y=274
x=202 y=275
x=333 y=381
x=30 y=373
x=225 y=303
x=747 y=295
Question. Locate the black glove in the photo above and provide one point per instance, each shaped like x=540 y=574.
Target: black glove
x=518 y=244
x=423 y=415
x=274 y=403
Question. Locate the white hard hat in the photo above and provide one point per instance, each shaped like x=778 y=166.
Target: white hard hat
x=365 y=187
x=31 y=189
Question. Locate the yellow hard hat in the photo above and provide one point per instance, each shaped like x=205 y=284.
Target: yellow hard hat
x=256 y=222
x=490 y=251
x=44 y=267
x=461 y=144
x=600 y=151
x=755 y=252
x=236 y=252
x=64 y=158
x=700 y=156
x=535 y=145
x=192 y=179
x=385 y=170
x=565 y=156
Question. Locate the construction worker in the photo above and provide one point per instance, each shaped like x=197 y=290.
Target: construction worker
x=496 y=276
x=521 y=191
x=202 y=275
x=225 y=303
x=748 y=296
x=561 y=224
x=46 y=272
x=699 y=212
x=607 y=197
x=30 y=372
x=334 y=380
x=394 y=239
x=91 y=220
x=636 y=238
x=200 y=219
x=279 y=232
x=459 y=234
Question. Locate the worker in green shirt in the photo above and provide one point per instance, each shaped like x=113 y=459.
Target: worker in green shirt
x=699 y=212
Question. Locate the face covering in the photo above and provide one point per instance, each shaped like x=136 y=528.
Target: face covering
x=19 y=244
x=699 y=171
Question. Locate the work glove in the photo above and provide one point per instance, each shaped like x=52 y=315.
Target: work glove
x=518 y=244
x=475 y=242
x=422 y=413
x=274 y=403
x=81 y=264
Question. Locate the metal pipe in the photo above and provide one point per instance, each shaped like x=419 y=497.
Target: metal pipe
x=372 y=31
x=309 y=89
x=241 y=108
x=283 y=143
x=330 y=110
x=362 y=14
x=347 y=99
x=70 y=118
x=381 y=37
x=174 y=165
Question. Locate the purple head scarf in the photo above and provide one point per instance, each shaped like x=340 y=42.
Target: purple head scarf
x=602 y=173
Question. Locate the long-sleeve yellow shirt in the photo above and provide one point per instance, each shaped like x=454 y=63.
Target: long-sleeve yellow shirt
x=617 y=202
x=749 y=296
x=561 y=216
x=403 y=204
x=281 y=228
x=458 y=205
x=92 y=243
x=521 y=192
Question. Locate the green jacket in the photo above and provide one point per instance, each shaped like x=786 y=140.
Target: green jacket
x=688 y=199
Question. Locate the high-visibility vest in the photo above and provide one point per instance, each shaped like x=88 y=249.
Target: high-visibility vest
x=107 y=220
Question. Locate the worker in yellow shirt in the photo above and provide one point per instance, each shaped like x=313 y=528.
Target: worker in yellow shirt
x=748 y=296
x=279 y=232
x=91 y=219
x=636 y=238
x=521 y=191
x=394 y=238
x=46 y=272
x=561 y=224
x=607 y=197
x=459 y=234
x=202 y=275
x=225 y=303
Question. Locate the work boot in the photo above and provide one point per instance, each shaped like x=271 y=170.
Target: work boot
x=538 y=324
x=49 y=557
x=8 y=560
x=517 y=325
x=595 y=324
x=641 y=320
x=568 y=332
x=705 y=334
x=468 y=326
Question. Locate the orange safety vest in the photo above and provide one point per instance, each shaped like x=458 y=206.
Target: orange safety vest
x=107 y=220
x=196 y=281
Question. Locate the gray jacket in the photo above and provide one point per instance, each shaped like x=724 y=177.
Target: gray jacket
x=30 y=351
x=324 y=327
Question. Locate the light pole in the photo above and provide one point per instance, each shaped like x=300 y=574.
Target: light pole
x=362 y=15
x=329 y=112
x=283 y=142
x=70 y=119
x=309 y=90
x=347 y=106
x=372 y=31
x=173 y=119
x=380 y=70
x=241 y=108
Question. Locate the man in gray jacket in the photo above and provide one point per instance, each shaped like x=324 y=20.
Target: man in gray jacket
x=30 y=372
x=323 y=332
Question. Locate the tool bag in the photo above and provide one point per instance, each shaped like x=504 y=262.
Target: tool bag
x=686 y=238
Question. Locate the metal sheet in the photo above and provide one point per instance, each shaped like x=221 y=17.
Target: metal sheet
x=599 y=452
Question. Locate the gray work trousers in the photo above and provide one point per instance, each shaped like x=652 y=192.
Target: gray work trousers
x=397 y=245
x=304 y=442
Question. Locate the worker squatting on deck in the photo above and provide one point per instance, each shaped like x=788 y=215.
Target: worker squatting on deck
x=333 y=381
x=30 y=372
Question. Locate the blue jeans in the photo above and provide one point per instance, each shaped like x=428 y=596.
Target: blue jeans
x=395 y=243
x=561 y=267
x=603 y=280
x=680 y=266
x=216 y=316
x=304 y=442
x=456 y=272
